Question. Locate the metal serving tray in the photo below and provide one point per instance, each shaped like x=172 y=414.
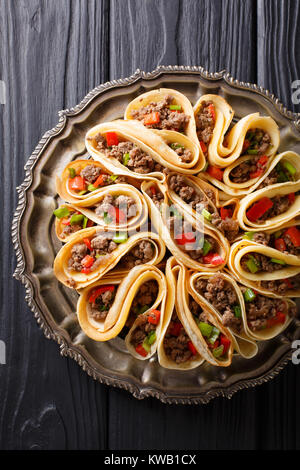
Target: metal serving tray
x=34 y=240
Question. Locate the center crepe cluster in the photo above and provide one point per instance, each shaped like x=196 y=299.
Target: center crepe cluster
x=180 y=232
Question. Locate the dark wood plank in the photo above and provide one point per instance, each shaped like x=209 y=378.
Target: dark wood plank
x=217 y=35
x=278 y=52
x=52 y=53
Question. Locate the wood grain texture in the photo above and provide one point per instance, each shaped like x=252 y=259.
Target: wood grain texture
x=278 y=51
x=51 y=54
x=144 y=34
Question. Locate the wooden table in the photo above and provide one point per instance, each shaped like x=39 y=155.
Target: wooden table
x=52 y=52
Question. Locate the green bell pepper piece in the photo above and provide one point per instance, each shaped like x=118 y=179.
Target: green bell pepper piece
x=61 y=212
x=217 y=352
x=205 y=328
x=76 y=218
x=249 y=295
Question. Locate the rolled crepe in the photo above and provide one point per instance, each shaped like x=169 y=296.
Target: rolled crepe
x=81 y=198
x=208 y=198
x=170 y=145
x=221 y=117
x=259 y=280
x=235 y=139
x=269 y=174
x=242 y=343
x=273 y=191
x=160 y=214
x=105 y=263
x=284 y=240
x=190 y=323
x=173 y=316
x=156 y=145
x=273 y=327
x=290 y=264
x=64 y=229
x=125 y=291
x=156 y=96
x=112 y=219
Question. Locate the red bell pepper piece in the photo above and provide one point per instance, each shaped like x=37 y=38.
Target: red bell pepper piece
x=215 y=172
x=87 y=261
x=215 y=345
x=175 y=329
x=212 y=111
x=263 y=160
x=246 y=144
x=187 y=237
x=288 y=283
x=117 y=214
x=66 y=221
x=154 y=317
x=77 y=184
x=291 y=197
x=257 y=173
x=225 y=212
x=85 y=270
x=87 y=241
x=152 y=118
x=203 y=146
x=226 y=342
x=141 y=351
x=213 y=258
x=259 y=208
x=280 y=244
x=280 y=318
x=90 y=223
x=100 y=290
x=294 y=234
x=112 y=139
x=99 y=181
x=192 y=348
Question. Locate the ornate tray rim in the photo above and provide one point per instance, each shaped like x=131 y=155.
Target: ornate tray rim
x=69 y=350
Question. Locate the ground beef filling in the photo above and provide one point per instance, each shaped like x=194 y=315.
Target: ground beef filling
x=140 y=254
x=282 y=286
x=143 y=300
x=100 y=307
x=176 y=342
x=101 y=245
x=270 y=240
x=198 y=202
x=248 y=170
x=69 y=229
x=125 y=205
x=228 y=226
x=173 y=120
x=194 y=249
x=263 y=309
x=262 y=263
x=185 y=155
x=91 y=172
x=272 y=178
x=280 y=205
x=156 y=195
x=187 y=193
x=223 y=297
x=127 y=153
x=256 y=142
x=205 y=123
